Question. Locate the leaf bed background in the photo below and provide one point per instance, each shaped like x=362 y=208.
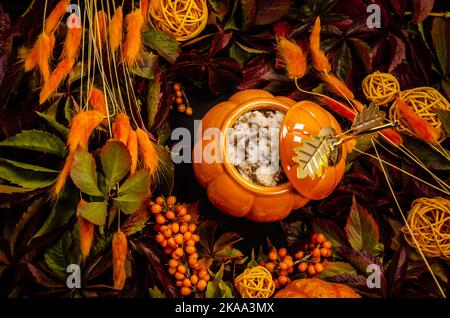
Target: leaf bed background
x=236 y=51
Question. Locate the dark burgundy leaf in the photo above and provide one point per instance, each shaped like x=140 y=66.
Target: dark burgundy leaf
x=155 y=258
x=219 y=42
x=98 y=265
x=396 y=271
x=254 y=70
x=333 y=232
x=269 y=11
x=248 y=9
x=421 y=10
x=398 y=52
x=43 y=278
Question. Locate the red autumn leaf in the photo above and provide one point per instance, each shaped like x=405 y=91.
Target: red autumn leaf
x=421 y=10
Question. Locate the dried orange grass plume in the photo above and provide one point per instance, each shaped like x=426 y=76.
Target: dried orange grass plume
x=61 y=71
x=116 y=30
x=144 y=9
x=121 y=128
x=320 y=61
x=86 y=233
x=338 y=86
x=119 y=251
x=132 y=146
x=41 y=54
x=100 y=28
x=133 y=41
x=293 y=57
x=72 y=43
x=55 y=16
x=148 y=151
x=97 y=101
x=82 y=126
x=419 y=125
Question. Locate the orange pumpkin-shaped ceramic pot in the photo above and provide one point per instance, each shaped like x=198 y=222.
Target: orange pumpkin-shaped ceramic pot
x=315 y=288
x=236 y=196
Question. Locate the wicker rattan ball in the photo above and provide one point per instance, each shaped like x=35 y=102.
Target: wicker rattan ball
x=429 y=220
x=255 y=282
x=425 y=101
x=183 y=19
x=380 y=88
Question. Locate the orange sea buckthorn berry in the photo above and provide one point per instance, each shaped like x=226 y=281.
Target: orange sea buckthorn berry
x=184 y=228
x=273 y=255
x=324 y=252
x=290 y=270
x=175 y=227
x=172 y=271
x=192 y=228
x=170 y=215
x=187 y=282
x=160 y=219
x=156 y=208
x=178 y=93
x=173 y=263
x=270 y=266
x=302 y=266
x=186 y=218
x=283 y=272
x=163 y=243
x=192 y=262
x=282 y=252
x=159 y=200
x=163 y=228
x=185 y=291
x=179 y=100
x=168 y=250
x=171 y=242
x=207 y=277
x=181 y=269
x=190 y=249
x=181 y=210
x=179 y=283
x=318 y=267
x=329 y=253
x=283 y=280
x=189 y=111
x=201 y=285
x=195 y=237
x=190 y=242
x=299 y=254
x=316 y=252
x=181 y=108
x=179 y=252
x=159 y=238
x=327 y=244
x=311 y=270
x=312 y=245
x=320 y=238
x=179 y=238
x=283 y=265
x=179 y=276
x=202 y=273
x=171 y=200
x=176 y=87
x=187 y=235
x=167 y=233
x=194 y=279
x=314 y=237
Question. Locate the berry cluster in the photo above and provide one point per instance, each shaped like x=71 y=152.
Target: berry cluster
x=176 y=234
x=316 y=251
x=181 y=100
x=280 y=264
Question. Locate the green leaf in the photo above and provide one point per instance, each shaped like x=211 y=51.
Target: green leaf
x=225 y=240
x=25 y=178
x=155 y=292
x=164 y=133
x=135 y=222
x=94 y=212
x=5 y=189
x=239 y=54
x=426 y=154
x=139 y=182
x=166 y=171
x=148 y=67
x=361 y=228
x=164 y=44
x=130 y=202
x=153 y=98
x=53 y=123
x=249 y=49
x=84 y=172
x=55 y=261
x=444 y=116
x=332 y=269
x=333 y=233
x=116 y=162
x=218 y=288
x=248 y=9
x=36 y=140
x=27 y=166
x=439 y=34
x=231 y=23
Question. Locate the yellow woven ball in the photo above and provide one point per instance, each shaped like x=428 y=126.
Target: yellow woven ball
x=255 y=282
x=380 y=88
x=183 y=19
x=425 y=101
x=429 y=220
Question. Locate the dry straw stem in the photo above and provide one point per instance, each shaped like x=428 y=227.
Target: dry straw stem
x=55 y=16
x=97 y=101
x=320 y=61
x=148 y=152
x=133 y=41
x=100 y=28
x=116 y=30
x=72 y=43
x=119 y=251
x=121 y=128
x=82 y=126
x=419 y=125
x=293 y=58
x=86 y=233
x=61 y=71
